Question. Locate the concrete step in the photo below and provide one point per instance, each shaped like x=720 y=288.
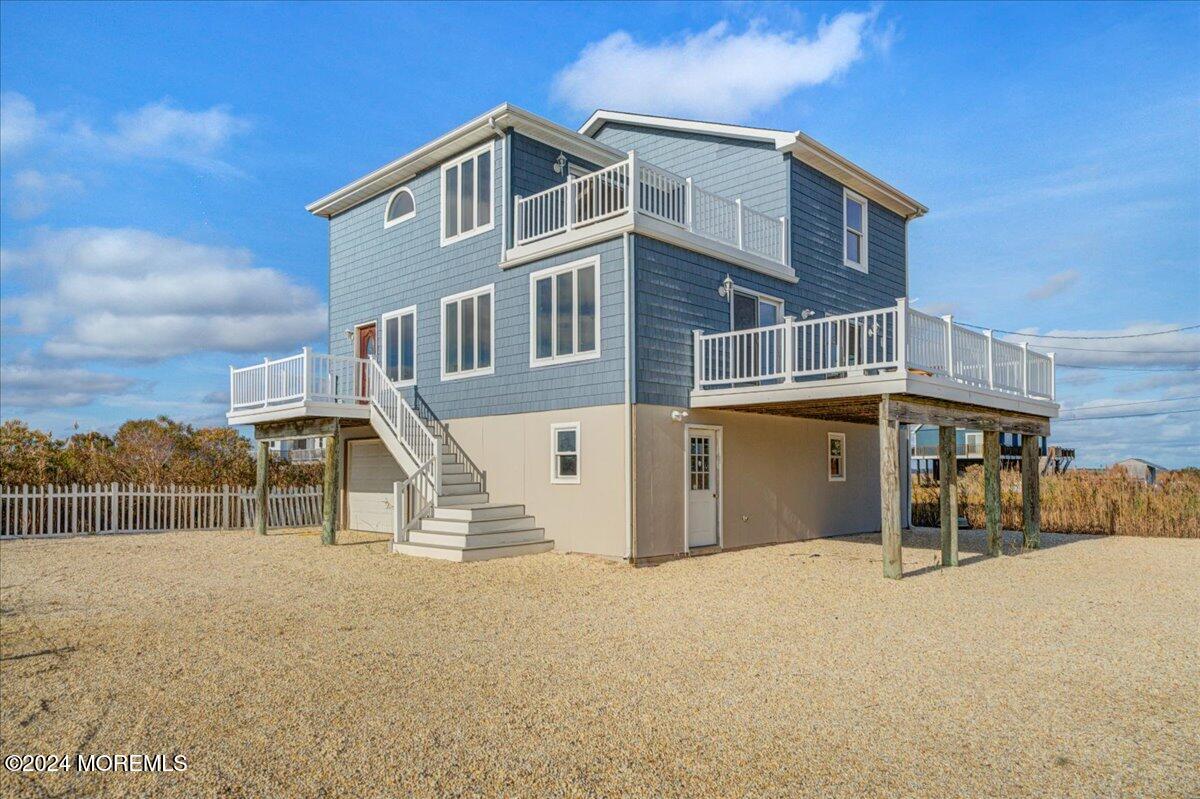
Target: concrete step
x=476 y=540
x=460 y=555
x=482 y=526
x=445 y=500
x=455 y=489
x=479 y=512
x=456 y=478
x=454 y=468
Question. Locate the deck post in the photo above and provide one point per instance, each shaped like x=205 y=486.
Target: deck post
x=949 y=320
x=635 y=183
x=689 y=210
x=1031 y=501
x=332 y=494
x=948 y=494
x=260 y=486
x=889 y=491
x=991 y=361
x=789 y=357
x=900 y=346
x=991 y=490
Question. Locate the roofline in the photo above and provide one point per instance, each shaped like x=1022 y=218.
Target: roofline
x=797 y=143
x=486 y=126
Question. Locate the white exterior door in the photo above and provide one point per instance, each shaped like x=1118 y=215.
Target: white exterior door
x=370 y=474
x=702 y=486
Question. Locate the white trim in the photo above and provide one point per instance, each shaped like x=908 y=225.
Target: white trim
x=779 y=138
x=864 y=235
x=399 y=316
x=489 y=289
x=716 y=463
x=457 y=163
x=554 y=359
x=387 y=208
x=776 y=301
x=555 y=477
x=628 y=415
x=839 y=478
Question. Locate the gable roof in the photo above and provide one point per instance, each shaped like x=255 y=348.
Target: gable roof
x=486 y=126
x=797 y=143
x=1145 y=462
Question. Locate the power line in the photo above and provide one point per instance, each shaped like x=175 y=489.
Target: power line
x=1127 y=352
x=1086 y=338
x=1129 y=415
x=1129 y=368
x=1135 y=402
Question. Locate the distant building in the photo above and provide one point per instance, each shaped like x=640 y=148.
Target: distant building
x=924 y=451
x=1140 y=469
x=299 y=450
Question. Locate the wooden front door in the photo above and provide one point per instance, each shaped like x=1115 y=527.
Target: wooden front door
x=364 y=347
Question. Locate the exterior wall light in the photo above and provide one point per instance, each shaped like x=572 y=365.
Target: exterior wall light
x=726 y=287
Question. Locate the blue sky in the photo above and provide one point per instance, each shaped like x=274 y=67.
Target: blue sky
x=157 y=159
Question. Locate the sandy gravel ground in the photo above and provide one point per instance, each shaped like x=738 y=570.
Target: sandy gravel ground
x=284 y=669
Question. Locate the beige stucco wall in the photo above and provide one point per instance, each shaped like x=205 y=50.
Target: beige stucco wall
x=514 y=450
x=775 y=484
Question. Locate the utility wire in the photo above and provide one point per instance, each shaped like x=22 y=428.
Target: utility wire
x=1123 y=404
x=1129 y=368
x=1128 y=415
x=1086 y=338
x=1127 y=352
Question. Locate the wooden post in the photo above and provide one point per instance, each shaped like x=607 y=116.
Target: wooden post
x=332 y=495
x=948 y=464
x=261 y=488
x=1031 y=500
x=991 y=490
x=889 y=492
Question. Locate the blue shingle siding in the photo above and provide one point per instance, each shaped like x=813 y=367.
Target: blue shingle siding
x=825 y=281
x=374 y=270
x=754 y=171
x=533 y=166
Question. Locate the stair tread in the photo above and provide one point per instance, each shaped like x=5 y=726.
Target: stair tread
x=490 y=546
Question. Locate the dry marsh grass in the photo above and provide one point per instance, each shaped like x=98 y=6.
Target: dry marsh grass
x=1105 y=503
x=282 y=668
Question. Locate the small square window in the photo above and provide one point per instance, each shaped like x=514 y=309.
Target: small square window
x=564 y=452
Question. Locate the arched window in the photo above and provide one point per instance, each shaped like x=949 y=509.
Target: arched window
x=400 y=206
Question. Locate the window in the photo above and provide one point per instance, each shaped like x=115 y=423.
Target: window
x=400 y=345
x=854 y=233
x=401 y=206
x=564 y=313
x=564 y=452
x=748 y=309
x=467 y=195
x=837 y=457
x=467 y=329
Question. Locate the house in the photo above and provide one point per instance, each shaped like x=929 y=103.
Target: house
x=1140 y=469
x=643 y=339
x=924 y=458
x=298 y=450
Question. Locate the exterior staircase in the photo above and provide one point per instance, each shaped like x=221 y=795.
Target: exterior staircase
x=443 y=510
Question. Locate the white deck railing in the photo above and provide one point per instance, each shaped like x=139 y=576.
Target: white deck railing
x=659 y=194
x=886 y=339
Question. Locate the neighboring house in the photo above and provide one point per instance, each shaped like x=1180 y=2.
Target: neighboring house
x=299 y=450
x=643 y=339
x=923 y=451
x=1140 y=469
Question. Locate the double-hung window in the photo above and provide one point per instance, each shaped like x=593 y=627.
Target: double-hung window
x=564 y=313
x=854 y=230
x=467 y=195
x=400 y=345
x=564 y=452
x=467 y=333
x=837 y=457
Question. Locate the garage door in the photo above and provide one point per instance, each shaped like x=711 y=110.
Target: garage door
x=370 y=473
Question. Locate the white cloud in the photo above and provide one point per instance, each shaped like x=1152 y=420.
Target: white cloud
x=1173 y=441
x=161 y=130
x=1171 y=384
x=134 y=295
x=31 y=192
x=1092 y=348
x=19 y=122
x=1055 y=284
x=40 y=386
x=717 y=73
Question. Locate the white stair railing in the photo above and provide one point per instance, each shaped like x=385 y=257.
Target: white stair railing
x=413 y=434
x=413 y=500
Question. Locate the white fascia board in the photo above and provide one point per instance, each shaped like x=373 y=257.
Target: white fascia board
x=486 y=126
x=799 y=144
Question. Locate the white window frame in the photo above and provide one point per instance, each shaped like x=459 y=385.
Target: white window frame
x=491 y=187
x=399 y=315
x=553 y=272
x=767 y=298
x=490 y=290
x=555 y=477
x=577 y=170
x=864 y=249
x=829 y=456
x=388 y=207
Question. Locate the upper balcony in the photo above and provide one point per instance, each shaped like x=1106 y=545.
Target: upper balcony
x=661 y=203
x=895 y=351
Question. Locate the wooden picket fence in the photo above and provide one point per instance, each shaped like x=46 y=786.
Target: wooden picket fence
x=54 y=510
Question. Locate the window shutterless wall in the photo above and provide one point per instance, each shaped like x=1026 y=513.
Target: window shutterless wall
x=376 y=269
